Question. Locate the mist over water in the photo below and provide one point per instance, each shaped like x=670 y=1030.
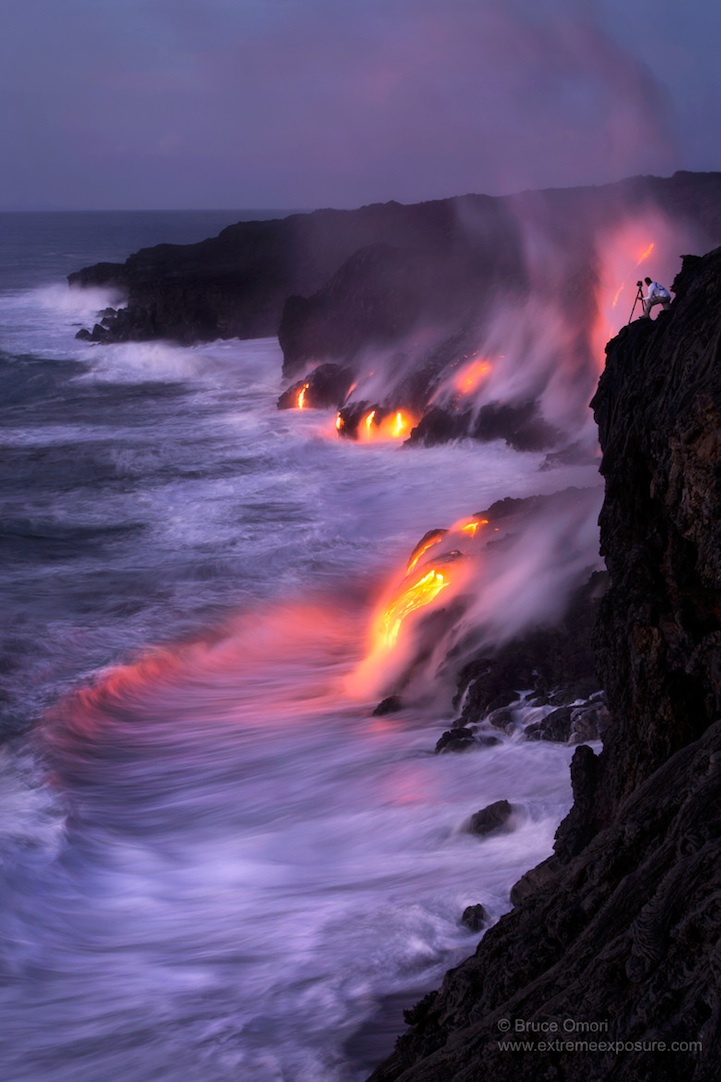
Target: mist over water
x=214 y=861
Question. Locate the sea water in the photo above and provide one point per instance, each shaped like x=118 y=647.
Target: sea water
x=215 y=862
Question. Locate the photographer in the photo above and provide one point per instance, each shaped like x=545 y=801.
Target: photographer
x=657 y=294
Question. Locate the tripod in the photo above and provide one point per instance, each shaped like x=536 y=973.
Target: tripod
x=639 y=297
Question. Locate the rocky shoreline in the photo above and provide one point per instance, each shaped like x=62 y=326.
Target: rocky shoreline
x=616 y=932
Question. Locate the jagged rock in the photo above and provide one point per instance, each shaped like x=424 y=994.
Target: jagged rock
x=491 y=818
x=502 y=718
x=439 y=425
x=456 y=740
x=474 y=917
x=390 y=705
x=555 y=727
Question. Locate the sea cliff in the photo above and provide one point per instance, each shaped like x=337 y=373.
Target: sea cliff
x=333 y=283
x=607 y=967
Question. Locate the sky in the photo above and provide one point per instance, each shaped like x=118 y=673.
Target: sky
x=298 y=104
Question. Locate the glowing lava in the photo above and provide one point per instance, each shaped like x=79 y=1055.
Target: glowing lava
x=416 y=596
x=379 y=425
x=427 y=541
x=471 y=376
x=401 y=425
x=368 y=422
x=301 y=396
x=472 y=526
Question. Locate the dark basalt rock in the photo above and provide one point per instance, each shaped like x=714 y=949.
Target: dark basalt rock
x=571 y=724
x=326 y=387
x=490 y=819
x=620 y=926
x=456 y=740
x=100 y=274
x=474 y=917
x=556 y=726
x=390 y=705
x=522 y=427
x=438 y=425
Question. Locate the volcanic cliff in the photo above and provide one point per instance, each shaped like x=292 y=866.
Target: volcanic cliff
x=611 y=955
x=333 y=282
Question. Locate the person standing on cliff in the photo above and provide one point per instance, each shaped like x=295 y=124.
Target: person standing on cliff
x=657 y=294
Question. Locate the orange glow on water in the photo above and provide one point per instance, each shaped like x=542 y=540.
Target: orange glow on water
x=301 y=396
x=416 y=596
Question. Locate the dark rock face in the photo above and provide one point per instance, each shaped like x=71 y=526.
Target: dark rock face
x=521 y=426
x=618 y=930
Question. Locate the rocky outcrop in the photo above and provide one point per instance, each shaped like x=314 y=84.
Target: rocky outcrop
x=236 y=284
x=608 y=965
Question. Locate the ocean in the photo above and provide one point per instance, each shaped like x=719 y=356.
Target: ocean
x=215 y=862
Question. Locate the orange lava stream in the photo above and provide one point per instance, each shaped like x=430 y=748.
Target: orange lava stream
x=301 y=396
x=416 y=596
x=422 y=548
x=396 y=426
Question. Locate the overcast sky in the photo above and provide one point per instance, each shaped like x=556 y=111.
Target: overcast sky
x=145 y=104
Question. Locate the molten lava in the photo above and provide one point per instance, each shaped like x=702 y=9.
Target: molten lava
x=472 y=526
x=301 y=396
x=427 y=541
x=378 y=424
x=471 y=376
x=416 y=596
x=401 y=425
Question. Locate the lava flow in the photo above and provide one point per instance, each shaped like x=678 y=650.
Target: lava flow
x=416 y=596
x=372 y=423
x=402 y=640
